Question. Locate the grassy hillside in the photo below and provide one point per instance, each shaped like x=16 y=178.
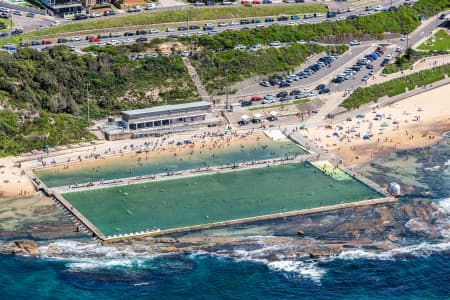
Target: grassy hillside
x=45 y=88
x=213 y=67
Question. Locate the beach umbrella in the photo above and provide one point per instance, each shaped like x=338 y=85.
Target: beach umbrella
x=335 y=134
x=303 y=126
x=384 y=124
x=366 y=137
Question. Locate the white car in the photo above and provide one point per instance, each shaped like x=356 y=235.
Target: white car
x=404 y=38
x=379 y=8
x=234 y=23
x=200 y=33
x=389 y=56
x=275 y=44
x=398 y=49
x=150 y=6
x=267 y=101
x=95 y=15
x=350 y=9
x=127 y=41
x=341 y=18
x=222 y=24
x=112 y=42
x=292 y=23
x=240 y=47
x=75 y=39
x=354 y=42
x=154 y=31
x=169 y=29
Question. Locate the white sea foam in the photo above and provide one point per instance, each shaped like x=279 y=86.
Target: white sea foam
x=444 y=223
x=91 y=255
x=308 y=270
x=418 y=250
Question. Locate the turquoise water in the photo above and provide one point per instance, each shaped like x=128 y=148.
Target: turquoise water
x=144 y=165
x=213 y=198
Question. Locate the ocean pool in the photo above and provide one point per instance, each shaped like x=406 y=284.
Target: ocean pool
x=206 y=199
x=153 y=163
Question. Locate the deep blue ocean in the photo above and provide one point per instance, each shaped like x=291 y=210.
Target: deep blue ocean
x=207 y=277
x=419 y=269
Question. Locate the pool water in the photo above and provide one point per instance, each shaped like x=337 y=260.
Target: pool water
x=213 y=198
x=145 y=164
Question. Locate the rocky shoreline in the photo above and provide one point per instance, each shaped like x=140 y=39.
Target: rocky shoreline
x=373 y=228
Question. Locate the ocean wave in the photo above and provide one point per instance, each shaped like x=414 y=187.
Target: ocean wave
x=91 y=255
x=89 y=264
x=279 y=262
x=417 y=250
x=307 y=270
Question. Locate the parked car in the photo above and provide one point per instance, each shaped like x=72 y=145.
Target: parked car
x=46 y=42
x=94 y=40
x=246 y=103
x=80 y=17
x=265 y=83
x=62 y=40
x=142 y=39
x=256 y=98
x=354 y=43
x=109 y=13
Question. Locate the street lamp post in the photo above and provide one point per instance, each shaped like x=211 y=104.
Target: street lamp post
x=87 y=99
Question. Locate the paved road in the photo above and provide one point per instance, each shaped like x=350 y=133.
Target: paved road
x=85 y=43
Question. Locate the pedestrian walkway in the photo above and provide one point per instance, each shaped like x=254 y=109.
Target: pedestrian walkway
x=196 y=79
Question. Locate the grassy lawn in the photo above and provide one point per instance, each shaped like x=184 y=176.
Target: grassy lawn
x=439 y=41
x=177 y=16
x=6 y=23
x=295 y=102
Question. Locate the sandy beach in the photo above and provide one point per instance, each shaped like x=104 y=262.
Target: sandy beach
x=14 y=183
x=415 y=122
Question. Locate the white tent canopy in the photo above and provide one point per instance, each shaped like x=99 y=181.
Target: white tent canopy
x=257 y=116
x=273 y=113
x=245 y=118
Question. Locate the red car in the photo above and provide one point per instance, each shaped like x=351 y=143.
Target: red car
x=380 y=51
x=94 y=40
x=256 y=98
x=245 y=2
x=257 y=2
x=45 y=42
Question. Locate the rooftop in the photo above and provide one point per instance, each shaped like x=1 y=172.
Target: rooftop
x=167 y=109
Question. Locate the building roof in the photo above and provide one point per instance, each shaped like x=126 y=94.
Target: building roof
x=158 y=110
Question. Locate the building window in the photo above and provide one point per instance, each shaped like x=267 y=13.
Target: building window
x=166 y=122
x=157 y=123
x=133 y=126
